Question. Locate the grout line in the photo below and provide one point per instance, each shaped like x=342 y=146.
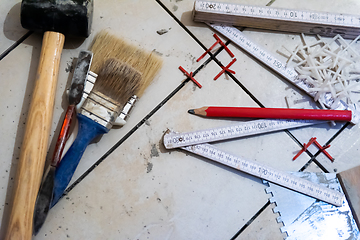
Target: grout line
x=327 y=143
x=319 y=164
x=181 y=24
x=15 y=44
x=251 y=220
x=238 y=82
x=337 y=133
x=313 y=157
x=213 y=57
x=299 y=143
x=271 y=2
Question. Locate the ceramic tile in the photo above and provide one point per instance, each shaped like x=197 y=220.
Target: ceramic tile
x=344 y=149
x=141 y=190
x=182 y=10
x=10 y=27
x=263 y=227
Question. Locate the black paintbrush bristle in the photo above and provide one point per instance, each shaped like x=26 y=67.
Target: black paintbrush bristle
x=117 y=80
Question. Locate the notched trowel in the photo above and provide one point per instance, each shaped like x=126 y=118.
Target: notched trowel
x=307 y=218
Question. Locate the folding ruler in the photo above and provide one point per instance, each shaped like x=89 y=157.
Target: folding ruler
x=279 y=19
x=194 y=142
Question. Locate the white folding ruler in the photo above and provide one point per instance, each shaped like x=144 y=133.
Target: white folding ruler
x=279 y=19
x=242 y=129
x=173 y=140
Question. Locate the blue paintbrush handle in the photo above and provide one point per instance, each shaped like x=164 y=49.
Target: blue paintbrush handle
x=88 y=130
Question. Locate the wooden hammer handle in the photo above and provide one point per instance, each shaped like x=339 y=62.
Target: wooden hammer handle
x=35 y=143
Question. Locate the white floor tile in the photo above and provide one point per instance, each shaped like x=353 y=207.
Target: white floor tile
x=141 y=190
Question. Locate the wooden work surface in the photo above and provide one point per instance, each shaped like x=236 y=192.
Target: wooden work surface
x=141 y=190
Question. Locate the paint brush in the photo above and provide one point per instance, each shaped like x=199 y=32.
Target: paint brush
x=115 y=84
x=44 y=197
x=104 y=47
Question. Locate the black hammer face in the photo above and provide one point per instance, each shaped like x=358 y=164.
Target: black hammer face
x=70 y=17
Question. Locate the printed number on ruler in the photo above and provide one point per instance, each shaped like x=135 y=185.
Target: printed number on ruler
x=175 y=140
x=267 y=173
x=278 y=13
x=323 y=23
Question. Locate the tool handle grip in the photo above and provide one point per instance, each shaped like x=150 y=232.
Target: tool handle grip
x=35 y=142
x=88 y=130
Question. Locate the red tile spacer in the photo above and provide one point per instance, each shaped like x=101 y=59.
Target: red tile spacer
x=190 y=76
x=300 y=152
x=223 y=44
x=322 y=149
x=311 y=141
x=226 y=69
x=218 y=40
x=209 y=49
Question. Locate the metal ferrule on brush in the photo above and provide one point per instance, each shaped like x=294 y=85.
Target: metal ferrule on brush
x=101 y=109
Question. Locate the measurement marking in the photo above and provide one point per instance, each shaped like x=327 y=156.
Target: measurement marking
x=175 y=140
x=280 y=19
x=267 y=173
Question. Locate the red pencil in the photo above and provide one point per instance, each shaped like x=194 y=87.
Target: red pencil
x=274 y=113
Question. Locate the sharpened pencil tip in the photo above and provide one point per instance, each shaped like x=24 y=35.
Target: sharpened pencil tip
x=191 y=111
